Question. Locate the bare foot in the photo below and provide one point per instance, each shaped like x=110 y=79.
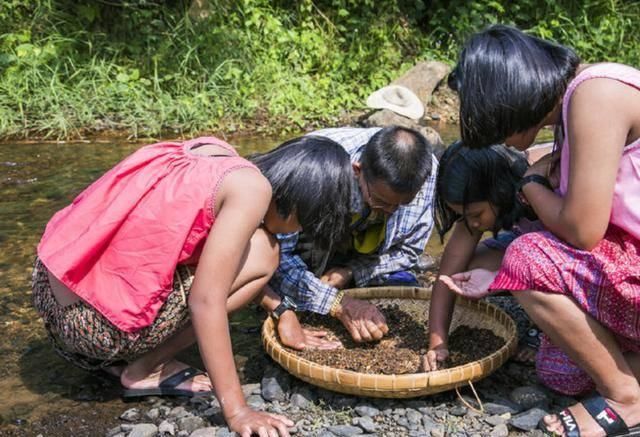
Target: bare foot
x=130 y=379
x=588 y=427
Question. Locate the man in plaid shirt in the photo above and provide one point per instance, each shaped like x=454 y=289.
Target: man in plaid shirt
x=391 y=207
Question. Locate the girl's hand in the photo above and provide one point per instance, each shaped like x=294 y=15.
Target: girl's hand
x=248 y=422
x=294 y=336
x=473 y=284
x=547 y=167
x=431 y=361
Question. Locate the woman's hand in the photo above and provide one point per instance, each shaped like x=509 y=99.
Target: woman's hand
x=292 y=334
x=473 y=284
x=431 y=361
x=248 y=422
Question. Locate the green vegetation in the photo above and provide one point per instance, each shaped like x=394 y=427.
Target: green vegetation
x=72 y=67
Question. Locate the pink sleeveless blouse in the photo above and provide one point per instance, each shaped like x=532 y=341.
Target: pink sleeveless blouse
x=625 y=211
x=118 y=244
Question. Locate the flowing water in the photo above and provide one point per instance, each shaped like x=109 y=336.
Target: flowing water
x=39 y=392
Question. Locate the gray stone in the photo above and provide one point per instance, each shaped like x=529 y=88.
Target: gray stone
x=403 y=422
x=191 y=423
x=144 y=430
x=501 y=406
x=413 y=416
x=423 y=78
x=529 y=397
x=153 y=414
x=429 y=423
x=113 y=431
x=275 y=385
x=500 y=431
x=126 y=427
x=495 y=420
x=131 y=415
x=209 y=431
x=528 y=420
x=441 y=414
x=366 y=423
x=251 y=389
x=167 y=427
x=255 y=401
x=326 y=433
x=366 y=410
x=302 y=397
x=458 y=411
x=225 y=432
x=345 y=430
x=178 y=412
x=183 y=434
x=438 y=432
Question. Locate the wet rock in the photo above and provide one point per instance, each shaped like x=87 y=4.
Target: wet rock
x=153 y=414
x=191 y=423
x=413 y=416
x=528 y=420
x=256 y=402
x=302 y=397
x=166 y=428
x=326 y=433
x=529 y=397
x=143 y=430
x=366 y=423
x=131 y=415
x=458 y=411
x=251 y=389
x=495 y=420
x=225 y=432
x=500 y=431
x=275 y=384
x=501 y=406
x=344 y=430
x=366 y=410
x=204 y=432
x=113 y=431
x=178 y=412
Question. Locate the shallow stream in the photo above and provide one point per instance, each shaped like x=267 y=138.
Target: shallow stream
x=39 y=392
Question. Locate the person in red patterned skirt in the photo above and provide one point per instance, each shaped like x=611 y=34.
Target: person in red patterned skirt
x=579 y=279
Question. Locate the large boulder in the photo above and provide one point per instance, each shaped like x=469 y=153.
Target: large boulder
x=423 y=79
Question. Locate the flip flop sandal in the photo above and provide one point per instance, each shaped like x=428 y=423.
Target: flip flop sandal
x=168 y=386
x=532 y=338
x=607 y=418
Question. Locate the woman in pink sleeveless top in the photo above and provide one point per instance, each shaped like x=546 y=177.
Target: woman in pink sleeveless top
x=579 y=279
x=114 y=279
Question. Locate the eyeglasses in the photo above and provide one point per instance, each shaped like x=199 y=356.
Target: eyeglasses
x=376 y=203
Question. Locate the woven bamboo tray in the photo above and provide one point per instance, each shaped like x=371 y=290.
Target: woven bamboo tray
x=467 y=312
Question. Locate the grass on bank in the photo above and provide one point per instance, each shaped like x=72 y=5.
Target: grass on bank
x=72 y=67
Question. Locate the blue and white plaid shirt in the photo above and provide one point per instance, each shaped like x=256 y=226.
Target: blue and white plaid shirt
x=407 y=232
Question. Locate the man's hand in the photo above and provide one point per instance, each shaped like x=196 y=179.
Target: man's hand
x=473 y=284
x=431 y=361
x=338 y=277
x=293 y=335
x=363 y=320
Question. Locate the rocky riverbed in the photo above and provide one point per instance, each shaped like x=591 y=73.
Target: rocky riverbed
x=511 y=405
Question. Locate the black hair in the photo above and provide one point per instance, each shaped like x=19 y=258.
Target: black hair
x=508 y=82
x=468 y=175
x=398 y=156
x=311 y=176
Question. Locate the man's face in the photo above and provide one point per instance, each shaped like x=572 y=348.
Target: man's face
x=379 y=196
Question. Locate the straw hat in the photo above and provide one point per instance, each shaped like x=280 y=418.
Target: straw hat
x=398 y=99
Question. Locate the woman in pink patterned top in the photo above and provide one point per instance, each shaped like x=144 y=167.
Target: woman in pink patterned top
x=579 y=279
x=114 y=279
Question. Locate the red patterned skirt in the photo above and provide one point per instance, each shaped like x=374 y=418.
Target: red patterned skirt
x=605 y=283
